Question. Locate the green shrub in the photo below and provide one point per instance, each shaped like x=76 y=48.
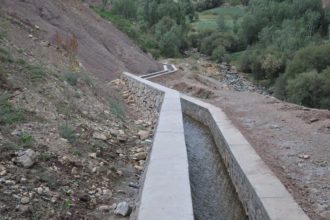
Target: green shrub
x=116 y=107
x=45 y=157
x=71 y=78
x=309 y=58
x=9 y=114
x=310 y=89
x=5 y=56
x=305 y=89
x=218 y=54
x=50 y=178
x=3 y=35
x=36 y=72
x=26 y=139
x=67 y=132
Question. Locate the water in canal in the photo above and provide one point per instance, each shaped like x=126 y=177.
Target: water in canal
x=214 y=196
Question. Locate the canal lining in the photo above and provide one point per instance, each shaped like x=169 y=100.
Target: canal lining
x=165 y=193
x=214 y=196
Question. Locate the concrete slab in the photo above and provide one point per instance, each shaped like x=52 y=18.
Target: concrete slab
x=170 y=146
x=170 y=121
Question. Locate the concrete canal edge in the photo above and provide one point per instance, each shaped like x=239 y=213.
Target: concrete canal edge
x=166 y=191
x=166 y=188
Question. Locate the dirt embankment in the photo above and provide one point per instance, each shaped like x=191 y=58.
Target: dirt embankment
x=69 y=141
x=103 y=50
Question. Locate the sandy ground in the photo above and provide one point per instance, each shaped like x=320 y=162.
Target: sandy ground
x=293 y=140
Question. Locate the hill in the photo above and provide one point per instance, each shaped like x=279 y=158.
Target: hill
x=102 y=50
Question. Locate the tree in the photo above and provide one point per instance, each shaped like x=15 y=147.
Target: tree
x=104 y=3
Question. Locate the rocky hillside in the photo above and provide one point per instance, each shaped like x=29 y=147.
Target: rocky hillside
x=72 y=145
x=102 y=49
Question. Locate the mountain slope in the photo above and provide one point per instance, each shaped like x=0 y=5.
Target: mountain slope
x=102 y=49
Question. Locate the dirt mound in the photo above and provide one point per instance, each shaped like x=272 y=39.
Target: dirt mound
x=103 y=50
x=194 y=90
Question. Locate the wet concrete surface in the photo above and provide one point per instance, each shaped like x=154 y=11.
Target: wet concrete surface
x=214 y=196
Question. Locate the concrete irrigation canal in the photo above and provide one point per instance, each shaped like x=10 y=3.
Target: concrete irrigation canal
x=213 y=194
x=200 y=166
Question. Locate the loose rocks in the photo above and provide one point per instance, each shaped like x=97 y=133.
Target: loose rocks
x=123 y=209
x=26 y=158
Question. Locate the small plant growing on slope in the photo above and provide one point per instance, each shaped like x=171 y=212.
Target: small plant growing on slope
x=67 y=132
x=72 y=48
x=8 y=114
x=71 y=78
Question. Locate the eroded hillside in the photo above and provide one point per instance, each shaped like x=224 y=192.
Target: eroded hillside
x=69 y=141
x=103 y=50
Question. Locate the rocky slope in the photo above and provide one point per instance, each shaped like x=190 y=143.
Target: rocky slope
x=72 y=145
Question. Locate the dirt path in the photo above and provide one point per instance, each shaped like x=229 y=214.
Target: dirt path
x=294 y=141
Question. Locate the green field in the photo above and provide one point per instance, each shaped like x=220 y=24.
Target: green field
x=208 y=18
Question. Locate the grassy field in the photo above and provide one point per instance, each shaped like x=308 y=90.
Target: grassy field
x=208 y=18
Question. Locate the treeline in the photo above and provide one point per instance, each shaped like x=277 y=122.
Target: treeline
x=157 y=26
x=284 y=44
x=288 y=47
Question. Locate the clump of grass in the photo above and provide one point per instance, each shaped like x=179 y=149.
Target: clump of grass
x=36 y=72
x=49 y=178
x=116 y=108
x=5 y=56
x=71 y=78
x=98 y=144
x=3 y=35
x=9 y=114
x=26 y=139
x=11 y=146
x=21 y=62
x=45 y=157
x=67 y=132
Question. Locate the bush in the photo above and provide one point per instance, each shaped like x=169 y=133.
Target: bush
x=116 y=107
x=5 y=56
x=306 y=89
x=9 y=114
x=125 y=8
x=36 y=72
x=309 y=58
x=26 y=139
x=71 y=78
x=218 y=54
x=67 y=132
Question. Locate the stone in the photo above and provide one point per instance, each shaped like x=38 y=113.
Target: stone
x=304 y=156
x=74 y=171
x=3 y=173
x=26 y=158
x=24 y=208
x=100 y=136
x=107 y=194
x=140 y=156
x=122 y=138
x=143 y=134
x=325 y=214
x=92 y=155
x=139 y=168
x=314 y=120
x=25 y=200
x=40 y=190
x=104 y=208
x=123 y=209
